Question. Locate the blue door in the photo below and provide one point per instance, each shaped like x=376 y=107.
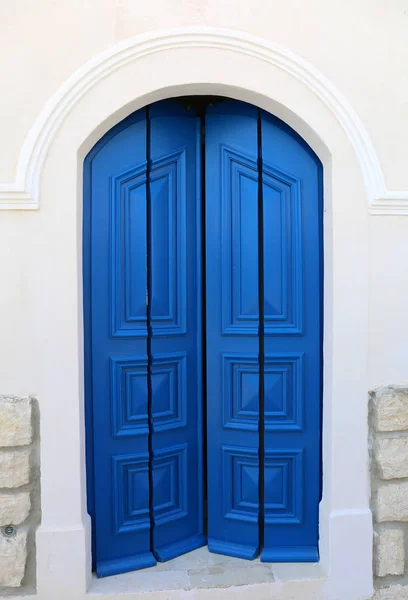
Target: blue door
x=202 y=302
x=174 y=289
x=291 y=366
x=263 y=295
x=232 y=329
x=117 y=377
x=144 y=320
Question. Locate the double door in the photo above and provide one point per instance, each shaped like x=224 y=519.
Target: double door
x=202 y=291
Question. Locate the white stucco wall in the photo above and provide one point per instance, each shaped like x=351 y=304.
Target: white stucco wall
x=361 y=49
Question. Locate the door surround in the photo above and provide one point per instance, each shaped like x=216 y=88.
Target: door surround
x=63 y=540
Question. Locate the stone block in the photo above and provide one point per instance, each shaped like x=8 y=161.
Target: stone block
x=15 y=421
x=14 y=508
x=13 y=556
x=390 y=405
x=14 y=467
x=392 y=502
x=394 y=592
x=389 y=552
x=391 y=455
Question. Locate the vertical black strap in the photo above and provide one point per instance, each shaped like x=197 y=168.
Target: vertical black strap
x=149 y=324
x=261 y=337
x=201 y=114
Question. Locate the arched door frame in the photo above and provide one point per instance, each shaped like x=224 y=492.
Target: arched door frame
x=233 y=70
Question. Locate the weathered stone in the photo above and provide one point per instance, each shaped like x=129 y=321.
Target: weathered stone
x=394 y=592
x=13 y=555
x=391 y=455
x=392 y=502
x=14 y=467
x=390 y=406
x=389 y=552
x=15 y=421
x=14 y=508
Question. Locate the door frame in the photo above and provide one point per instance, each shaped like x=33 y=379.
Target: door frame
x=245 y=68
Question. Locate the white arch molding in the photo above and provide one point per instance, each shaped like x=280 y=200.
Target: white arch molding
x=149 y=68
x=24 y=192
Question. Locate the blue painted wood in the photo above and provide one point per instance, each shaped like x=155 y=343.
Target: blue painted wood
x=232 y=329
x=120 y=336
x=117 y=329
x=290 y=554
x=175 y=309
x=116 y=323
x=86 y=269
x=291 y=184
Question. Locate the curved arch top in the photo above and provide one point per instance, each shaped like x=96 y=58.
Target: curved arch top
x=24 y=192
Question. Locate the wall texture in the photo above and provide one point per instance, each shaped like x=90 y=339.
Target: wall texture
x=339 y=38
x=389 y=471
x=20 y=498
x=361 y=49
x=19 y=491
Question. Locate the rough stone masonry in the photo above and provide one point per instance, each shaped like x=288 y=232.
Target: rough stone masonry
x=389 y=472
x=19 y=491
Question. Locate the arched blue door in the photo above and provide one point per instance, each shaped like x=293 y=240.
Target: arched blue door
x=202 y=295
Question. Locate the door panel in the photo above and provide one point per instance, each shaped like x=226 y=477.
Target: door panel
x=292 y=344
x=144 y=325
x=119 y=350
x=175 y=296
x=232 y=329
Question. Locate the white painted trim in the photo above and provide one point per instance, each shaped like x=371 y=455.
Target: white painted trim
x=24 y=192
x=63 y=541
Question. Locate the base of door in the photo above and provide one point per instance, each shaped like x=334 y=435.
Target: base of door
x=116 y=566
x=286 y=554
x=178 y=548
x=231 y=549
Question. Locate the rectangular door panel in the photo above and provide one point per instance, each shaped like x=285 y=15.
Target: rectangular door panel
x=232 y=329
x=175 y=315
x=282 y=252
x=292 y=344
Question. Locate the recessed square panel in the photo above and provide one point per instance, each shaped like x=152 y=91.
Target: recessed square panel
x=128 y=253
x=283 y=285
x=131 y=492
x=240 y=481
x=128 y=249
x=129 y=395
x=282 y=241
x=249 y=384
x=283 y=391
x=165 y=491
x=283 y=486
x=169 y=391
x=276 y=483
x=168 y=244
x=276 y=390
x=240 y=400
x=170 y=484
x=246 y=476
x=240 y=307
